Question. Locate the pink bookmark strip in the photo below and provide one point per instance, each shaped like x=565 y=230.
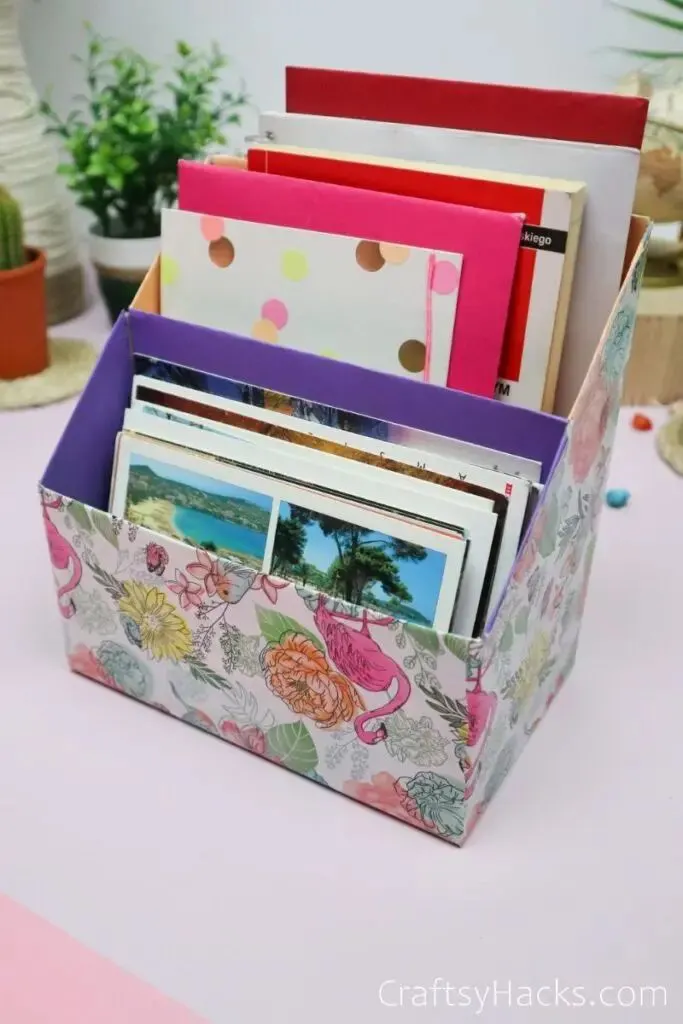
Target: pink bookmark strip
x=431 y=266
x=46 y=976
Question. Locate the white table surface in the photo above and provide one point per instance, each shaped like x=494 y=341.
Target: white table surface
x=253 y=896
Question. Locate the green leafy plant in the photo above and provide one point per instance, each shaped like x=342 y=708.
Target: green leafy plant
x=664 y=21
x=126 y=135
x=12 y=253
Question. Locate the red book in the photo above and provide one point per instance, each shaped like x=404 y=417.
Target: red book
x=546 y=212
x=598 y=118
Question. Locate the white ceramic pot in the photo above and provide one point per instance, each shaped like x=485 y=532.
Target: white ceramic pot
x=121 y=264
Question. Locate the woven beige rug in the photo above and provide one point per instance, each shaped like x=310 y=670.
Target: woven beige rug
x=71 y=363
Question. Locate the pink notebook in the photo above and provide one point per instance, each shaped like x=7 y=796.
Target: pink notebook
x=488 y=241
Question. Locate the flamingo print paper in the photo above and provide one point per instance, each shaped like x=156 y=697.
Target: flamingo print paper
x=374 y=304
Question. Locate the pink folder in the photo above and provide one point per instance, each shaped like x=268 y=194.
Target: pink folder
x=488 y=241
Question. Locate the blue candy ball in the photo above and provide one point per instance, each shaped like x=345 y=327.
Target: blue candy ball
x=617 y=498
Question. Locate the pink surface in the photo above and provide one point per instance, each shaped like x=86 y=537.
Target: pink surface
x=488 y=242
x=45 y=975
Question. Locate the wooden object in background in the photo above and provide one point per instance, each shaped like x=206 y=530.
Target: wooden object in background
x=655 y=370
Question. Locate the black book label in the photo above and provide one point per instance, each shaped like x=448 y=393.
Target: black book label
x=543 y=239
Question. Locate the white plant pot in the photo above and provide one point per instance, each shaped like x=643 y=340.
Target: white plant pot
x=121 y=264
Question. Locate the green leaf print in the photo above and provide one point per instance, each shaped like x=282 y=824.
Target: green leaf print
x=457 y=645
x=204 y=674
x=508 y=638
x=425 y=638
x=453 y=712
x=293 y=747
x=105 y=579
x=104 y=526
x=80 y=516
x=552 y=523
x=522 y=620
x=274 y=626
x=317 y=778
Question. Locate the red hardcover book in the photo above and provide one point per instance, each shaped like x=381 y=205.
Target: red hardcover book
x=598 y=118
x=545 y=212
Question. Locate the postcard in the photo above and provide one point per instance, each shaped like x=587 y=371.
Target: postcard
x=210 y=384
x=406 y=579
x=431 y=504
x=281 y=529
x=510 y=495
x=363 y=301
x=234 y=422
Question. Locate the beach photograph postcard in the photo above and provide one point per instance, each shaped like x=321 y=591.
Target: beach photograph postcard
x=218 y=516
x=360 y=554
x=360 y=565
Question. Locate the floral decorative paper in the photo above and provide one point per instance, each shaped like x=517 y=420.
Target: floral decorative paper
x=532 y=645
x=362 y=703
x=420 y=725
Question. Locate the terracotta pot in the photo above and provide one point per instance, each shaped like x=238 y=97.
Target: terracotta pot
x=23 y=318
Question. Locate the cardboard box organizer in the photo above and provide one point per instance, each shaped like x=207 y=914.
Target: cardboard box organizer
x=281 y=672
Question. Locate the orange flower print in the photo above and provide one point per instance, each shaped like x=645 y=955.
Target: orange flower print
x=227 y=583
x=298 y=672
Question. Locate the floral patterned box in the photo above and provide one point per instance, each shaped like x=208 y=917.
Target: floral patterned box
x=421 y=725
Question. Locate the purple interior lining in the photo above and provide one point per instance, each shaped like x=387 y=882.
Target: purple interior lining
x=412 y=403
x=82 y=462
x=493 y=612
x=81 y=465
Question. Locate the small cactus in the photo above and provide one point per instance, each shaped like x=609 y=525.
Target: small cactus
x=12 y=253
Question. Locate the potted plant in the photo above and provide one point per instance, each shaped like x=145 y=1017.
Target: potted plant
x=28 y=168
x=124 y=140
x=23 y=322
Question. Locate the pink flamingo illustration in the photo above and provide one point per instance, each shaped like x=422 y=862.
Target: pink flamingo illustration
x=360 y=658
x=62 y=555
x=481 y=709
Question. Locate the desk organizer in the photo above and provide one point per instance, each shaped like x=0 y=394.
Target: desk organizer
x=294 y=677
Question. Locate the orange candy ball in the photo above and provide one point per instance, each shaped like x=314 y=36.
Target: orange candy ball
x=641 y=422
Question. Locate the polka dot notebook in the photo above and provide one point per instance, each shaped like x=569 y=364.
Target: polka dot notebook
x=374 y=304
x=362 y=314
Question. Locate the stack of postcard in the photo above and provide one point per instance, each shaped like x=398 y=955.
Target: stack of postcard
x=422 y=527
